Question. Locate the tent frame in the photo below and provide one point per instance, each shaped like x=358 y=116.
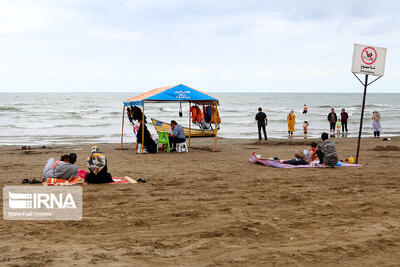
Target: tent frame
x=200 y=102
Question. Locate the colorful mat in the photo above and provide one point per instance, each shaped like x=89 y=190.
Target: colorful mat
x=280 y=165
x=56 y=182
x=79 y=180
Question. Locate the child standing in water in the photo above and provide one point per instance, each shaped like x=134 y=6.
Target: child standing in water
x=305 y=126
x=376 y=123
x=305 y=109
x=338 y=127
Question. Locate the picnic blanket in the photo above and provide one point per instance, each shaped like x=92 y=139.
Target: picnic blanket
x=55 y=181
x=279 y=163
x=80 y=179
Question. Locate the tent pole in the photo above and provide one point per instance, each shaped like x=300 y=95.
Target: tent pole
x=190 y=123
x=216 y=128
x=122 y=133
x=143 y=127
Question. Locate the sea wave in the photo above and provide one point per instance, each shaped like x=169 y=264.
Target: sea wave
x=82 y=125
x=371 y=106
x=10 y=109
x=30 y=126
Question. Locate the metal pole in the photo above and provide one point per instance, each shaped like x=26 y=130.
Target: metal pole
x=362 y=117
x=216 y=128
x=190 y=123
x=122 y=133
x=143 y=127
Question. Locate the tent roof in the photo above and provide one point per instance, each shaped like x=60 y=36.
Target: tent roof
x=174 y=93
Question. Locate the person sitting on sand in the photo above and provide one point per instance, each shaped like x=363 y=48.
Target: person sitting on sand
x=313 y=154
x=97 y=164
x=177 y=135
x=61 y=169
x=299 y=160
x=326 y=152
x=149 y=143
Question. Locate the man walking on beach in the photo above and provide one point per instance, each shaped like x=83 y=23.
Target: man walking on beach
x=262 y=121
x=344 y=116
x=332 y=118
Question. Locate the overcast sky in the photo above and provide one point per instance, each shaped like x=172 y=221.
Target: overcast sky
x=213 y=45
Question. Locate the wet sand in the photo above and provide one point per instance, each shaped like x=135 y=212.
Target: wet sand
x=217 y=209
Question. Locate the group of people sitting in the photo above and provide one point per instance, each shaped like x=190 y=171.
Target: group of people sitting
x=324 y=153
x=176 y=135
x=65 y=167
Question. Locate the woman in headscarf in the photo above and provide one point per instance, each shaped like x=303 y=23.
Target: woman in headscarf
x=149 y=143
x=291 y=120
x=376 y=123
x=97 y=164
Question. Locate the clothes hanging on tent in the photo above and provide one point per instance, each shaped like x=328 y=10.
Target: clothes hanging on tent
x=180 y=109
x=215 y=115
x=197 y=114
x=207 y=113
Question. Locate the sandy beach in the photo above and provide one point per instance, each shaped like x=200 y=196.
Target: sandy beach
x=216 y=209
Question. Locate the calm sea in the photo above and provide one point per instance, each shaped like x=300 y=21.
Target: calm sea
x=65 y=118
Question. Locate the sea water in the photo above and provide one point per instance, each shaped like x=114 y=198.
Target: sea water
x=67 y=118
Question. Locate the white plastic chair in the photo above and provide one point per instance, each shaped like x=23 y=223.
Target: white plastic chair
x=139 y=149
x=181 y=147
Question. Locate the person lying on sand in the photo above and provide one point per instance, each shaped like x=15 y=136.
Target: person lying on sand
x=299 y=160
x=97 y=164
x=61 y=169
x=326 y=152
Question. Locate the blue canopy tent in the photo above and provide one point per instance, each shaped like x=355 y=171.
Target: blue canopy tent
x=176 y=93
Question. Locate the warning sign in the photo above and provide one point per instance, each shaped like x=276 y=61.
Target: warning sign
x=369 y=60
x=368 y=55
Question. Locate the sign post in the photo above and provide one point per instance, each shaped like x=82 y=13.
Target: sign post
x=368 y=60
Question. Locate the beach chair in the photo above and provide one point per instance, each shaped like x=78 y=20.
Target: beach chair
x=163 y=139
x=139 y=149
x=181 y=147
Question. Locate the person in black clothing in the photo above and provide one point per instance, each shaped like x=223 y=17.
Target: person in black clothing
x=332 y=118
x=135 y=114
x=262 y=121
x=97 y=164
x=149 y=143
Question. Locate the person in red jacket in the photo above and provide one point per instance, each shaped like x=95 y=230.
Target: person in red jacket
x=344 y=116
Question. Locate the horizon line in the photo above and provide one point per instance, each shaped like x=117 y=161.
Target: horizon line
x=213 y=92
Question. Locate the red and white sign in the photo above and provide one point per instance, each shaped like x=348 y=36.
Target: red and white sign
x=369 y=60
